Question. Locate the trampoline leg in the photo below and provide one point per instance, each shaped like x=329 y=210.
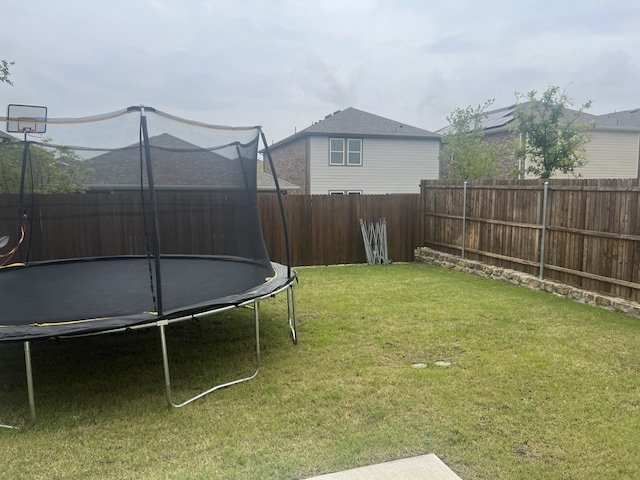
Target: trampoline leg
x=165 y=361
x=256 y=318
x=32 y=402
x=291 y=313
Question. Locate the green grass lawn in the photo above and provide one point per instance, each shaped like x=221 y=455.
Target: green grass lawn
x=538 y=387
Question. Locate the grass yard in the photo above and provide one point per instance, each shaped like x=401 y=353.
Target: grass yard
x=538 y=387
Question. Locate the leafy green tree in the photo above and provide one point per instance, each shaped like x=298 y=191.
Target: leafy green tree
x=469 y=156
x=4 y=72
x=50 y=170
x=551 y=137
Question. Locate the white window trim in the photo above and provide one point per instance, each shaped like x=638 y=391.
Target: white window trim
x=345 y=152
x=331 y=151
x=349 y=152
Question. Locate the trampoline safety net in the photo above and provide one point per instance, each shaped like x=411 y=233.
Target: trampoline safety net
x=132 y=155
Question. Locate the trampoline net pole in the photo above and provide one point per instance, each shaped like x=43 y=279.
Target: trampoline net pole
x=280 y=202
x=154 y=210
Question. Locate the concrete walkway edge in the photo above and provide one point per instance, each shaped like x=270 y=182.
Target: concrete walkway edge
x=423 y=467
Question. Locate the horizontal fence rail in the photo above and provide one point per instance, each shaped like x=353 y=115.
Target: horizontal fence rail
x=584 y=233
x=323 y=229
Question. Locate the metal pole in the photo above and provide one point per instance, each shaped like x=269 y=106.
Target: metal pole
x=291 y=313
x=154 y=208
x=256 y=318
x=464 y=215
x=544 y=228
x=165 y=362
x=32 y=401
x=280 y=202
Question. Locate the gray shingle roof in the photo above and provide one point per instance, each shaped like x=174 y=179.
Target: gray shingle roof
x=5 y=137
x=354 y=122
x=626 y=118
x=502 y=117
x=177 y=165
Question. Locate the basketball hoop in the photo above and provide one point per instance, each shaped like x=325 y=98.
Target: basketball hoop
x=26 y=119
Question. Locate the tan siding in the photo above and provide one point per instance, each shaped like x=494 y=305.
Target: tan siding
x=610 y=155
x=388 y=166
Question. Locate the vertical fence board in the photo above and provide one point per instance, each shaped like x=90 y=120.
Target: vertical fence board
x=592 y=237
x=323 y=229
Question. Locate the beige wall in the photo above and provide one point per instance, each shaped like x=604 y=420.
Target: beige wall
x=389 y=165
x=611 y=154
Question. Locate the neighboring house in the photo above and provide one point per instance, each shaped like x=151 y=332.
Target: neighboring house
x=355 y=152
x=612 y=152
x=197 y=170
x=626 y=118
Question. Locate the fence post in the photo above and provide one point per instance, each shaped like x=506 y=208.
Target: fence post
x=464 y=215
x=422 y=210
x=544 y=228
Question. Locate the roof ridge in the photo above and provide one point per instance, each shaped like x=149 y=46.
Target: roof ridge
x=356 y=122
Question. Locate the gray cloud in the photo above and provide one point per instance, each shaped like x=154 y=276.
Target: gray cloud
x=286 y=63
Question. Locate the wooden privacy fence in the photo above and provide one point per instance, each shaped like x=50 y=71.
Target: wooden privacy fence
x=323 y=229
x=584 y=233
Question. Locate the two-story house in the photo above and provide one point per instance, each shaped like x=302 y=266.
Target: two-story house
x=613 y=150
x=355 y=152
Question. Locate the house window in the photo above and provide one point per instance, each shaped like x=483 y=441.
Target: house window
x=336 y=151
x=345 y=192
x=345 y=151
x=354 y=151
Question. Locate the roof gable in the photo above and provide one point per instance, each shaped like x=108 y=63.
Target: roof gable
x=626 y=118
x=177 y=165
x=171 y=167
x=354 y=122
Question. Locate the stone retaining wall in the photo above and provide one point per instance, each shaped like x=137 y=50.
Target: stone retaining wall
x=514 y=277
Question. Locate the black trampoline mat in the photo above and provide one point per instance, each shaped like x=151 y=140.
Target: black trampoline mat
x=74 y=292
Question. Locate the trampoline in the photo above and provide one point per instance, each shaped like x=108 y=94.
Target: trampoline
x=141 y=286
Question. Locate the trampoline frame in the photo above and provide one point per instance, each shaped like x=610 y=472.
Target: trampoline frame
x=253 y=303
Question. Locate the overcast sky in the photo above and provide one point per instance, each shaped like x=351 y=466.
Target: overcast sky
x=284 y=64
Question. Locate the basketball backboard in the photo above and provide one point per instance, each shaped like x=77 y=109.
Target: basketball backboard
x=26 y=119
